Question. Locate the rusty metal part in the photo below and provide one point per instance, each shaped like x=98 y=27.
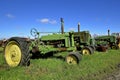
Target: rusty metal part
x=102 y=48
x=3 y=42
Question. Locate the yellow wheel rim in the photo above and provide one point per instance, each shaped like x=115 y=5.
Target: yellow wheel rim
x=119 y=45
x=113 y=47
x=86 y=52
x=12 y=54
x=71 y=59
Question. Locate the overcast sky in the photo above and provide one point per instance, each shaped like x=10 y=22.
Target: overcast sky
x=17 y=17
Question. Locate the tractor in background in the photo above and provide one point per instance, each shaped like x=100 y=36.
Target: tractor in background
x=117 y=35
x=84 y=42
x=107 y=42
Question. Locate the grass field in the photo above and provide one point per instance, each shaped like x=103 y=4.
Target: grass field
x=92 y=67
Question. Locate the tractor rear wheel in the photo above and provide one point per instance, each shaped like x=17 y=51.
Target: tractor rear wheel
x=87 y=50
x=73 y=58
x=16 y=52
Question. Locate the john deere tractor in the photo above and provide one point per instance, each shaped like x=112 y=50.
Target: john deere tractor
x=18 y=51
x=109 y=41
x=84 y=42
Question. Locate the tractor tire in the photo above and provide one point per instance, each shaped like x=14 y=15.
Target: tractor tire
x=73 y=58
x=93 y=47
x=115 y=47
x=87 y=50
x=119 y=45
x=16 y=52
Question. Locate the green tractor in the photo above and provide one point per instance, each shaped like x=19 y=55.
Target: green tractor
x=107 y=41
x=117 y=35
x=18 y=51
x=84 y=42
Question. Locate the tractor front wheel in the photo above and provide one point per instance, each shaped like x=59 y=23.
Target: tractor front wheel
x=115 y=47
x=73 y=58
x=87 y=50
x=16 y=52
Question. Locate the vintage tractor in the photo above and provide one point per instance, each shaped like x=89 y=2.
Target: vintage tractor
x=117 y=35
x=18 y=51
x=84 y=42
x=107 y=42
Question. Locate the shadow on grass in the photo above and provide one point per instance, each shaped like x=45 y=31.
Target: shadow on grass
x=37 y=55
x=1 y=52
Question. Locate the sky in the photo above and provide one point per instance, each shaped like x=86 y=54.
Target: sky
x=18 y=17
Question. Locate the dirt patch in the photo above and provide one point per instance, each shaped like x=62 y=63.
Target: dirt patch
x=3 y=67
x=115 y=75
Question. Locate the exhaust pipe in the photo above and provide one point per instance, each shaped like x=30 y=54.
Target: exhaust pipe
x=62 y=26
x=78 y=27
x=108 y=32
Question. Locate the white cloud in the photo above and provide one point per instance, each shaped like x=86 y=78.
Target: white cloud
x=46 y=20
x=53 y=21
x=10 y=16
x=72 y=29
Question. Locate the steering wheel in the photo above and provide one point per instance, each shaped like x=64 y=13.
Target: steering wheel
x=34 y=32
